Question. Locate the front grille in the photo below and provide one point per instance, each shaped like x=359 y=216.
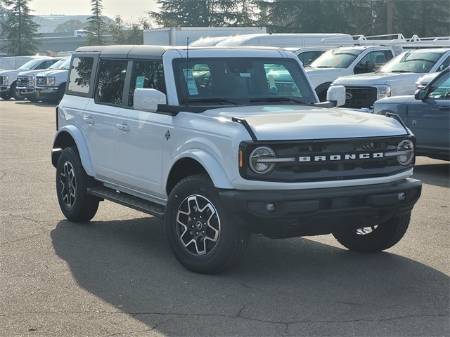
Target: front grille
x=360 y=97
x=41 y=81
x=23 y=82
x=3 y=80
x=327 y=169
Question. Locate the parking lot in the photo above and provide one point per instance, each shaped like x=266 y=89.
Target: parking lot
x=117 y=277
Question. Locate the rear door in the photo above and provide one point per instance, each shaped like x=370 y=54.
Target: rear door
x=430 y=120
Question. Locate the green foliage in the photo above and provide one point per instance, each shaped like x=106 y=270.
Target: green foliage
x=18 y=28
x=204 y=13
x=125 y=34
x=69 y=26
x=96 y=23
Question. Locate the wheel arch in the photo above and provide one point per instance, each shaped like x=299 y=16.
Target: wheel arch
x=196 y=162
x=71 y=136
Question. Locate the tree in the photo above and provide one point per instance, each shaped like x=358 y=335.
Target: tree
x=96 y=24
x=204 y=13
x=69 y=26
x=18 y=28
x=126 y=34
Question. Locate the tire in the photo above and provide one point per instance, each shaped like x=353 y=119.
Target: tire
x=209 y=246
x=61 y=92
x=14 y=94
x=71 y=188
x=375 y=238
x=5 y=97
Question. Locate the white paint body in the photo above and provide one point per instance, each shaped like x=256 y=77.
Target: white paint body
x=128 y=148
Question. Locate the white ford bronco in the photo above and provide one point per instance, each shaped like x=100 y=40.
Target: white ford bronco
x=222 y=142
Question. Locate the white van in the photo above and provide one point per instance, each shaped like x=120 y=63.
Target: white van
x=287 y=40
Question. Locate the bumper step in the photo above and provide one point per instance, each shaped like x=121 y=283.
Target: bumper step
x=128 y=200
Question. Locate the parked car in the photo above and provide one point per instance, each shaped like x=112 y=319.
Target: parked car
x=26 y=81
x=218 y=149
x=344 y=61
x=427 y=115
x=8 y=78
x=51 y=84
x=398 y=77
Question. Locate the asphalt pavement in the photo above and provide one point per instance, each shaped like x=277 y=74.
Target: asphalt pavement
x=117 y=277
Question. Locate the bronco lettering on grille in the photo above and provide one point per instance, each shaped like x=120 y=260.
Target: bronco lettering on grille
x=337 y=157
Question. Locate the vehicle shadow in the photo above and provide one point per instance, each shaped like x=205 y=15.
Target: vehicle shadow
x=295 y=286
x=38 y=103
x=434 y=174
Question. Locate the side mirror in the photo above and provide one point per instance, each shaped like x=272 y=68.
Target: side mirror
x=336 y=95
x=148 y=99
x=421 y=94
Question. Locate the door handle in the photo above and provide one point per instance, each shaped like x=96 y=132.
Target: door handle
x=123 y=127
x=89 y=120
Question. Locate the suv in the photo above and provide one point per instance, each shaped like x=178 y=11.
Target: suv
x=210 y=141
x=8 y=78
x=398 y=77
x=51 y=83
x=346 y=61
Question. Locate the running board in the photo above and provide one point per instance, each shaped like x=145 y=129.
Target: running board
x=128 y=200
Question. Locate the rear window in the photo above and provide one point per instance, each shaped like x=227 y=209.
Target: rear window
x=80 y=75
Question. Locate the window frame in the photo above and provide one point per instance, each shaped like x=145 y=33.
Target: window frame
x=126 y=84
x=92 y=81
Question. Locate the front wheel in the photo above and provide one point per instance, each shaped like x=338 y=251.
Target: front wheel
x=200 y=232
x=71 y=187
x=375 y=238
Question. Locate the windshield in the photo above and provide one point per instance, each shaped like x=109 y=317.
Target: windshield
x=30 y=64
x=337 y=58
x=61 y=64
x=418 y=61
x=237 y=81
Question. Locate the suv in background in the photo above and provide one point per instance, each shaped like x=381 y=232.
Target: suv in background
x=346 y=61
x=51 y=84
x=8 y=78
x=427 y=114
x=398 y=77
x=211 y=141
x=26 y=81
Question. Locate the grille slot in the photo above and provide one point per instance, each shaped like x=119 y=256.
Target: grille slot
x=22 y=81
x=360 y=97
x=3 y=80
x=41 y=81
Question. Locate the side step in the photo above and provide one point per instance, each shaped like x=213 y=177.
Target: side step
x=128 y=200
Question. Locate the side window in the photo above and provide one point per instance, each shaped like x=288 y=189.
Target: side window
x=111 y=81
x=444 y=64
x=441 y=88
x=372 y=61
x=80 y=75
x=146 y=74
x=280 y=81
x=45 y=64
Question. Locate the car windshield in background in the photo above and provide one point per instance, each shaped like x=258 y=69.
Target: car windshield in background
x=57 y=64
x=412 y=62
x=236 y=81
x=29 y=65
x=63 y=64
x=340 y=58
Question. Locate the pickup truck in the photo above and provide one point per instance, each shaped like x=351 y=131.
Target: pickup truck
x=398 y=77
x=51 y=84
x=8 y=78
x=210 y=141
x=427 y=114
x=344 y=61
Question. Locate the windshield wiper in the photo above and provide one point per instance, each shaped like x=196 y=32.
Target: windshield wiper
x=277 y=99
x=212 y=100
x=401 y=71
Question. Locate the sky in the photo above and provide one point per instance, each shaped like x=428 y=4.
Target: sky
x=130 y=10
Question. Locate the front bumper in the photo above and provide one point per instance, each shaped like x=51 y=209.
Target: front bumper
x=26 y=92
x=47 y=92
x=4 y=89
x=320 y=211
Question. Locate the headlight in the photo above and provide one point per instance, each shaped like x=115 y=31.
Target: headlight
x=383 y=91
x=405 y=152
x=260 y=160
x=51 y=81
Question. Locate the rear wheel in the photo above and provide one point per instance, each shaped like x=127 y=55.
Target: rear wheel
x=71 y=187
x=200 y=232
x=375 y=238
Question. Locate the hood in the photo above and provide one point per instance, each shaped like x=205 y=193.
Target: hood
x=406 y=99
x=8 y=72
x=324 y=75
x=52 y=72
x=377 y=78
x=29 y=72
x=298 y=122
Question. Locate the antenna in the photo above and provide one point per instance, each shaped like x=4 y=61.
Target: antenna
x=188 y=73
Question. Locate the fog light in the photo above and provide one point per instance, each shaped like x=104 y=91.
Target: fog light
x=270 y=207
